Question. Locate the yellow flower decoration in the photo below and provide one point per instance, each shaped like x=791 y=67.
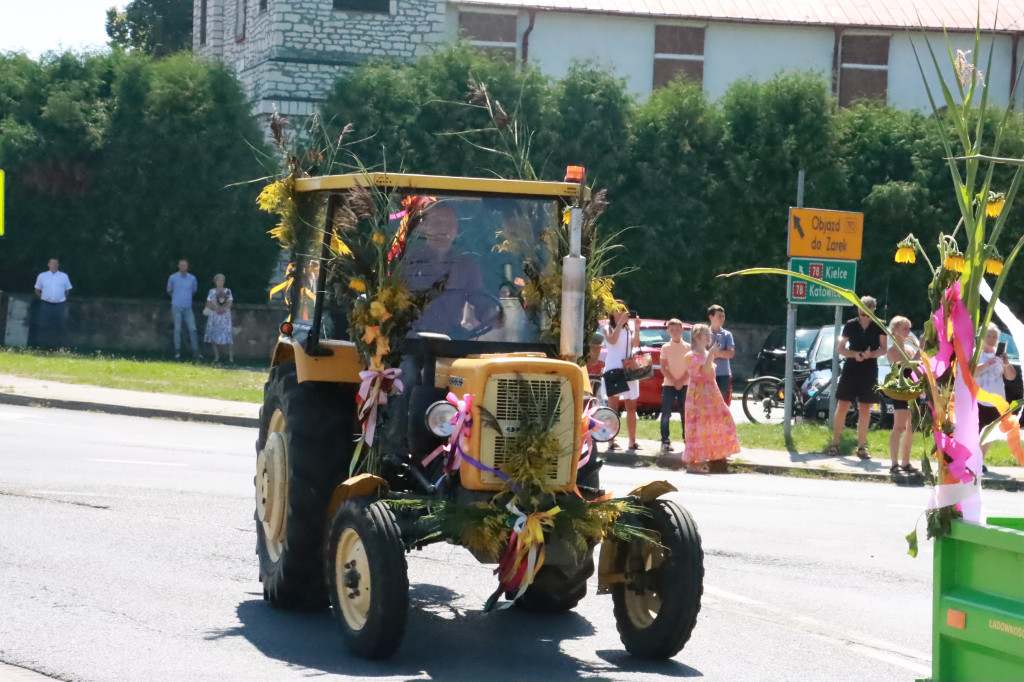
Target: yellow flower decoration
x=383 y=345
x=357 y=285
x=906 y=254
x=377 y=363
x=954 y=262
x=379 y=238
x=378 y=310
x=993 y=266
x=996 y=200
x=371 y=334
x=271 y=196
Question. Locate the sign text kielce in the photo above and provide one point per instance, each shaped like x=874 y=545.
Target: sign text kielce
x=819 y=233
x=841 y=273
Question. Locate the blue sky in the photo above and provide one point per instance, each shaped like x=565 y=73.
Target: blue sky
x=38 y=26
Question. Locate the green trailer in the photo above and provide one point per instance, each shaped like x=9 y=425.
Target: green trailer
x=978 y=611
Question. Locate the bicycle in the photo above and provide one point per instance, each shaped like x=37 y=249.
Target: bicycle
x=764 y=399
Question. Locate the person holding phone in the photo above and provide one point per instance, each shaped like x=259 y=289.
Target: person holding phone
x=622 y=342
x=993 y=368
x=902 y=437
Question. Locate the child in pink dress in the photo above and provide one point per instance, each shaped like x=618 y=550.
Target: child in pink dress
x=709 y=428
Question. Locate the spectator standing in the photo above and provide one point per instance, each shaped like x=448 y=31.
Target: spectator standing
x=182 y=286
x=902 y=437
x=676 y=378
x=622 y=341
x=722 y=338
x=52 y=287
x=218 y=319
x=990 y=374
x=861 y=343
x=709 y=427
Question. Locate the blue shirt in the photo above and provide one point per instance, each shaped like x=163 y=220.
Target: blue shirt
x=725 y=340
x=181 y=288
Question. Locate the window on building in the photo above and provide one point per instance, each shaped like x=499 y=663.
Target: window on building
x=263 y=5
x=240 y=10
x=678 y=51
x=492 y=33
x=202 y=22
x=863 y=68
x=363 y=5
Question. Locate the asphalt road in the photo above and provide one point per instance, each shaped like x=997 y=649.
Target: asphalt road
x=127 y=552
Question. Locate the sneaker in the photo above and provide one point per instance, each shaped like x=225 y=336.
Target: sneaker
x=984 y=469
x=177 y=356
x=666 y=448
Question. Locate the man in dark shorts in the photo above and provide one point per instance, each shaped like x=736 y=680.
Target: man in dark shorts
x=861 y=343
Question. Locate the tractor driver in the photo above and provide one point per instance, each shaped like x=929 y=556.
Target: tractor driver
x=434 y=261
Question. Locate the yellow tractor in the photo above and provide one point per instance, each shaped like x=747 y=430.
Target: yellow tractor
x=479 y=378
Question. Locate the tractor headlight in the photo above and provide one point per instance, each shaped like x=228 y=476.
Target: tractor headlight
x=608 y=427
x=438 y=418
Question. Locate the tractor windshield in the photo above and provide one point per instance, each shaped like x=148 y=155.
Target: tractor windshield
x=474 y=255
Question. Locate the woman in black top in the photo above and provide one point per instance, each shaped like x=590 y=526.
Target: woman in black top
x=861 y=343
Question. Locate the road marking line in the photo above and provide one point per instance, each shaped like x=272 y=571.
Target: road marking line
x=915 y=662
x=133 y=461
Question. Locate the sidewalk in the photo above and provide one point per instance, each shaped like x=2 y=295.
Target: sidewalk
x=41 y=393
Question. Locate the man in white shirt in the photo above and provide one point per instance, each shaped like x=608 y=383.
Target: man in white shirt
x=52 y=289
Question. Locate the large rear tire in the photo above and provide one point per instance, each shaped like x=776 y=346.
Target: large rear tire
x=303 y=452
x=656 y=606
x=368 y=578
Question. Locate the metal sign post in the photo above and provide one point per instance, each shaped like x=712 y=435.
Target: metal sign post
x=787 y=410
x=825 y=245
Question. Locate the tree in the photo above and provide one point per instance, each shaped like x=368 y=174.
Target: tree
x=120 y=164
x=156 y=27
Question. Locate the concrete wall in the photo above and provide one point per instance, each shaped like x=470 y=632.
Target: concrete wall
x=145 y=326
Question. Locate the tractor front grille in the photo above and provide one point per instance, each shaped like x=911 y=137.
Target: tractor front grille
x=515 y=400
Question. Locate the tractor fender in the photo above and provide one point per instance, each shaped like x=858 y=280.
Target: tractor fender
x=361 y=485
x=606 y=576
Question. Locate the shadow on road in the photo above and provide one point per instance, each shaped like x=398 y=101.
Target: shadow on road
x=442 y=641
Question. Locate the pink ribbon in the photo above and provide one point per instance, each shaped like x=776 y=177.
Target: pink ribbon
x=463 y=421
x=373 y=391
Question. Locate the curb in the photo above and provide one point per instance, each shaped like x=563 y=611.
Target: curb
x=674 y=462
x=128 y=411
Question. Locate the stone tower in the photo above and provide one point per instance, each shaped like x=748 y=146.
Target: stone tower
x=287 y=53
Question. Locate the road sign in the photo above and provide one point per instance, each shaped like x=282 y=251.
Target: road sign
x=842 y=273
x=818 y=233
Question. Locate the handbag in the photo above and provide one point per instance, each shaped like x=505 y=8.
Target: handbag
x=638 y=366
x=615 y=382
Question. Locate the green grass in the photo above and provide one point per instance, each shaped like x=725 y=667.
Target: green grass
x=138 y=374
x=816 y=437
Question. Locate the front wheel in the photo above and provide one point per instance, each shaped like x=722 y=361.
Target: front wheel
x=656 y=606
x=764 y=400
x=367 y=577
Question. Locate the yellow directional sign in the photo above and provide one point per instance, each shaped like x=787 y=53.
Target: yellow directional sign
x=819 y=233
x=1 y=203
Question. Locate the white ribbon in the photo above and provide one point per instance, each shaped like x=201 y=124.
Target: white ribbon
x=371 y=395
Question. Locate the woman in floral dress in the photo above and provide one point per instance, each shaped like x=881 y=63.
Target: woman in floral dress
x=218 y=319
x=710 y=430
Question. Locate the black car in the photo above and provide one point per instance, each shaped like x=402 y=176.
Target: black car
x=771 y=359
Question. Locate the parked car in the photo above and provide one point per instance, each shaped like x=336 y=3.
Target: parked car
x=771 y=359
x=653 y=335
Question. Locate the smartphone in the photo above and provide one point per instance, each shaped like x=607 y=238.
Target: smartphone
x=634 y=314
x=1001 y=348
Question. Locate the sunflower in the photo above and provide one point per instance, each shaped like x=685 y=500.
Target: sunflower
x=954 y=262
x=906 y=254
x=993 y=266
x=995 y=204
